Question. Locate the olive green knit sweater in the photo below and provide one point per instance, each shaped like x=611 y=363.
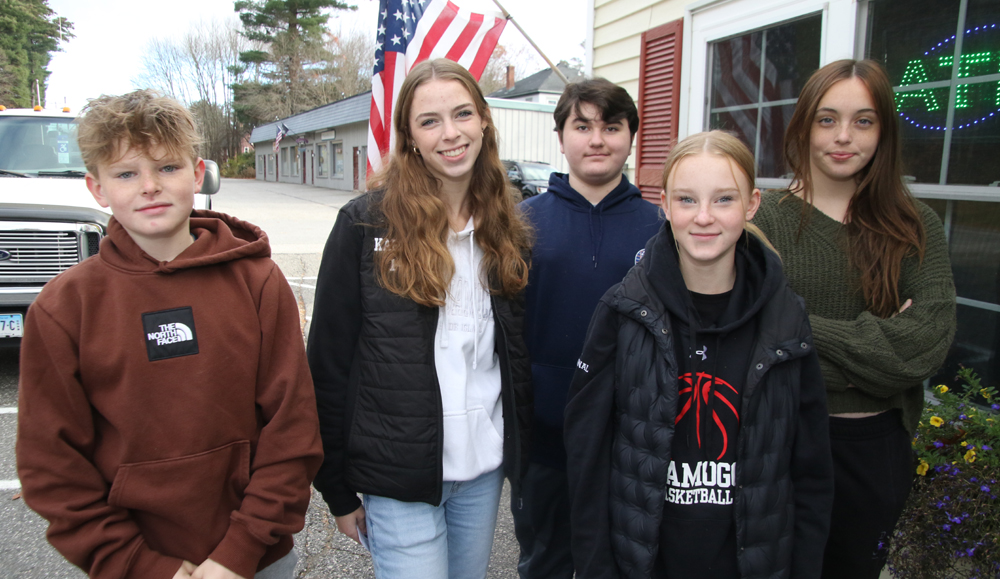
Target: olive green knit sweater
x=886 y=360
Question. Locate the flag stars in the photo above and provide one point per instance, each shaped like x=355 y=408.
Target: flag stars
x=398 y=15
x=381 y=30
x=396 y=39
x=406 y=34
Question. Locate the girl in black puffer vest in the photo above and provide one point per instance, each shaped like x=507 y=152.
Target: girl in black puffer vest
x=422 y=377
x=696 y=428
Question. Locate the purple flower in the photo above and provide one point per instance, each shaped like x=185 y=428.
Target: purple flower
x=938 y=444
x=984 y=488
x=995 y=406
x=985 y=447
x=940 y=505
x=970 y=552
x=973 y=479
x=962 y=417
x=946 y=527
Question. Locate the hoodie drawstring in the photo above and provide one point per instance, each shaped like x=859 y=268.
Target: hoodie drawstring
x=596 y=240
x=475 y=292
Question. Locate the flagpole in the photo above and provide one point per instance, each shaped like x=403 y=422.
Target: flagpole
x=532 y=42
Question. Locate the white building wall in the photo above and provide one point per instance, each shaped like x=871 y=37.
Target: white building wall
x=526 y=132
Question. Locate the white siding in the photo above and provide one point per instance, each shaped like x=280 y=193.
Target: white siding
x=618 y=28
x=526 y=132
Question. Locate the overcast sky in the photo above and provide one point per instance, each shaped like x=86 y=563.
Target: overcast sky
x=111 y=35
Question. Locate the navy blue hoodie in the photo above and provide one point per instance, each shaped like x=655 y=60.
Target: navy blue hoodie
x=580 y=251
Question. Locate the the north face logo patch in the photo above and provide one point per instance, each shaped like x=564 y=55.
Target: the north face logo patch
x=170 y=334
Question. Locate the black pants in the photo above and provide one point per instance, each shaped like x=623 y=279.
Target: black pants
x=873 y=468
x=541 y=524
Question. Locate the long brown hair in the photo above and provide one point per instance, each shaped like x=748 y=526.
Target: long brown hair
x=883 y=224
x=723 y=144
x=415 y=262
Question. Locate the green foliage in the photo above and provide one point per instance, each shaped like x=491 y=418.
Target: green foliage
x=240 y=167
x=950 y=527
x=294 y=32
x=29 y=33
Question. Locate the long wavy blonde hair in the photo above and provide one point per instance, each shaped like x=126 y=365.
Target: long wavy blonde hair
x=415 y=263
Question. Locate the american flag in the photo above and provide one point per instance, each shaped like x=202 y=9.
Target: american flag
x=282 y=131
x=410 y=32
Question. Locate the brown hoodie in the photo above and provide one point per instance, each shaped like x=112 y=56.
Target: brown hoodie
x=166 y=410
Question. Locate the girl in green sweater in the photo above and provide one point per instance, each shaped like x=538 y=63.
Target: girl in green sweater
x=872 y=264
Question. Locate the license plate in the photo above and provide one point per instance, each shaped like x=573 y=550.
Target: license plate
x=11 y=326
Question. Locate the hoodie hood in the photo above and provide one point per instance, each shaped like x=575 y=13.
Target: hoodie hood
x=560 y=187
x=614 y=202
x=219 y=238
x=758 y=277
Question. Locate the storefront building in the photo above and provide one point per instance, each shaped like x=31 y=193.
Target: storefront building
x=739 y=65
x=328 y=146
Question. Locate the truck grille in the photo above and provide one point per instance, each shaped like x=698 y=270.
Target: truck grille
x=37 y=256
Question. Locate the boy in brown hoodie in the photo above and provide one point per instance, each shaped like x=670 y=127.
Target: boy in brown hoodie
x=167 y=423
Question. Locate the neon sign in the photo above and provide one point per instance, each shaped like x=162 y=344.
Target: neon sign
x=928 y=100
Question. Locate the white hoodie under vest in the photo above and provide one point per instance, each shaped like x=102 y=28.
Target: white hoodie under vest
x=468 y=367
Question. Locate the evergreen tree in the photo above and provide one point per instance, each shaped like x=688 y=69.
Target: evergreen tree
x=29 y=33
x=293 y=31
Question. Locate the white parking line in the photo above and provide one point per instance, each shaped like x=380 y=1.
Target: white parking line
x=302 y=285
x=9 y=410
x=303 y=277
x=10 y=485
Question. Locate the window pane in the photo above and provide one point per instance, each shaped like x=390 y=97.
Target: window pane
x=792 y=55
x=736 y=70
x=982 y=35
x=742 y=123
x=976 y=346
x=975 y=150
x=923 y=144
x=975 y=250
x=909 y=36
x=771 y=157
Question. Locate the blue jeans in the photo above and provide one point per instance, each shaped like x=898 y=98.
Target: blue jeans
x=450 y=541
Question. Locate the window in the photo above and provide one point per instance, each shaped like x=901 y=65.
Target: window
x=337 y=159
x=295 y=161
x=321 y=160
x=284 y=161
x=270 y=164
x=755 y=79
x=945 y=73
x=944 y=68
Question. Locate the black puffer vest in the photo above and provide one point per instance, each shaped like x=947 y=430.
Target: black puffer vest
x=388 y=439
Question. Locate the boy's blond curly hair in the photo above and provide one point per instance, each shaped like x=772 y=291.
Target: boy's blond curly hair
x=143 y=119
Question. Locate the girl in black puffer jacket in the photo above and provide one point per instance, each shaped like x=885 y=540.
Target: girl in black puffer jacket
x=696 y=428
x=422 y=377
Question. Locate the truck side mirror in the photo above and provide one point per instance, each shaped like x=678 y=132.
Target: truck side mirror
x=211 y=184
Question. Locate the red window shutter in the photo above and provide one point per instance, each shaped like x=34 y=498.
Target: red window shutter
x=659 y=104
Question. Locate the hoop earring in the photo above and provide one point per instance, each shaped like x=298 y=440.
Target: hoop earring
x=416 y=151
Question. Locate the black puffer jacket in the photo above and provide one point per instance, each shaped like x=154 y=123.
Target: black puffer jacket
x=371 y=353
x=620 y=426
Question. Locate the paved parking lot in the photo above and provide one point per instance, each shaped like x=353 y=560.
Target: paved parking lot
x=297 y=220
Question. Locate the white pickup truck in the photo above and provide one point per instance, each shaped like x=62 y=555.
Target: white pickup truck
x=48 y=219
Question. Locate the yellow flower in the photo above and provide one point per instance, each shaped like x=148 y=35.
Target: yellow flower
x=970 y=456
x=942 y=388
x=965 y=443
x=985 y=393
x=922 y=467
x=936 y=421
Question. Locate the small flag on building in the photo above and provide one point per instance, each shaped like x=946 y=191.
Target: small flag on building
x=282 y=131
x=410 y=32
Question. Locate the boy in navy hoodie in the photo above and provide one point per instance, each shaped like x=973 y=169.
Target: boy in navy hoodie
x=591 y=228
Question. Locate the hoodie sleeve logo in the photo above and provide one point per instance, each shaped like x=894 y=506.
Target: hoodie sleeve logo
x=170 y=334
